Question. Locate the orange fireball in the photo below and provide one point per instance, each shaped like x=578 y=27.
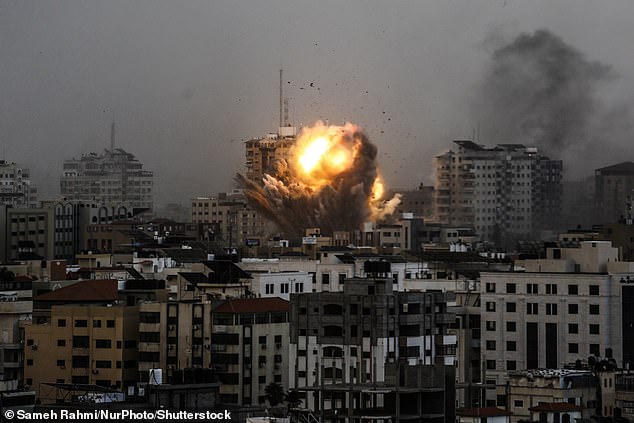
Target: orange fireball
x=322 y=153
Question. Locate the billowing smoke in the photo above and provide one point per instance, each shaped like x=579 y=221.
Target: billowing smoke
x=330 y=180
x=542 y=91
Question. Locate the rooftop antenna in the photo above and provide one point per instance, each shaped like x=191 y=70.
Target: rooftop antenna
x=112 y=127
x=281 y=98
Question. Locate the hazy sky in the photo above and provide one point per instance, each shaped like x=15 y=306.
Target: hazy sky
x=188 y=81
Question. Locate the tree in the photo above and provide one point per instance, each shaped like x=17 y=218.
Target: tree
x=274 y=393
x=293 y=400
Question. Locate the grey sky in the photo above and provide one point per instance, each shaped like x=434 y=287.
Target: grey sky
x=189 y=80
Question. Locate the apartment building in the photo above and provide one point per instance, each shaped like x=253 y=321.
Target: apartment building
x=370 y=352
x=16 y=188
x=574 y=304
x=113 y=177
x=250 y=344
x=505 y=191
x=262 y=154
x=614 y=192
x=83 y=344
x=234 y=220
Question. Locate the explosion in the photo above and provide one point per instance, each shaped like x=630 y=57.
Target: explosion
x=330 y=180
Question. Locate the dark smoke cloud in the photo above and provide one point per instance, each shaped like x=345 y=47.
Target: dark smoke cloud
x=542 y=91
x=343 y=204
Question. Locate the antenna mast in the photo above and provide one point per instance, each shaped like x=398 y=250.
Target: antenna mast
x=281 y=99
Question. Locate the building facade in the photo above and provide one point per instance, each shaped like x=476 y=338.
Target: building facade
x=372 y=353
x=114 y=177
x=506 y=191
x=614 y=192
x=16 y=188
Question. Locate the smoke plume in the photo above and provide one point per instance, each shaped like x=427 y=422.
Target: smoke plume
x=542 y=91
x=330 y=180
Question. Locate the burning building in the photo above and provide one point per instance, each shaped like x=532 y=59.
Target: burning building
x=327 y=178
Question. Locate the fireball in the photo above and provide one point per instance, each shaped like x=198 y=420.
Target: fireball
x=324 y=153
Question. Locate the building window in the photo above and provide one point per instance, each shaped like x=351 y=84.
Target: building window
x=490 y=364
x=103 y=364
x=96 y=323
x=594 y=308
x=511 y=326
x=29 y=362
x=594 y=289
x=325 y=278
x=61 y=342
x=510 y=288
x=573 y=308
x=490 y=306
x=594 y=329
x=61 y=323
x=551 y=309
x=103 y=343
x=81 y=342
x=518 y=403
x=532 y=308
x=491 y=345
x=511 y=346
x=573 y=348
x=81 y=323
x=531 y=288
x=511 y=365
x=595 y=349
x=573 y=289
x=551 y=288
x=573 y=328
x=490 y=325
x=510 y=307
x=110 y=323
x=490 y=287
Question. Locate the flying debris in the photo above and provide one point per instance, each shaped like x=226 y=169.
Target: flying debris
x=330 y=180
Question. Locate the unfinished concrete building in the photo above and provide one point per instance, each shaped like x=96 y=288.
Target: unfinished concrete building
x=373 y=354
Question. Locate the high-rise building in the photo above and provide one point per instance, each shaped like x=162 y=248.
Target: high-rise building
x=614 y=192
x=503 y=192
x=373 y=351
x=16 y=189
x=114 y=177
x=262 y=154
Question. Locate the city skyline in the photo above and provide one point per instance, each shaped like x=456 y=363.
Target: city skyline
x=186 y=82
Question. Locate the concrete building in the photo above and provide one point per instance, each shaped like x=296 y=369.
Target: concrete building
x=614 y=192
x=16 y=307
x=250 y=345
x=552 y=395
x=16 y=188
x=114 y=177
x=262 y=154
x=93 y=341
x=503 y=192
x=235 y=222
x=173 y=336
x=370 y=352
x=574 y=304
x=280 y=284
x=56 y=230
x=419 y=202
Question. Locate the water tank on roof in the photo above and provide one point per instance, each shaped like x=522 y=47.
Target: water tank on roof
x=156 y=376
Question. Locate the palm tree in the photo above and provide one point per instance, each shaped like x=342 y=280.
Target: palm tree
x=274 y=393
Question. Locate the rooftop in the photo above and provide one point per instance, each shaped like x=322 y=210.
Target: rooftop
x=253 y=305
x=624 y=167
x=483 y=412
x=555 y=407
x=90 y=291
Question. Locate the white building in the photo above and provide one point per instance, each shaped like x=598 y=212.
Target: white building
x=16 y=188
